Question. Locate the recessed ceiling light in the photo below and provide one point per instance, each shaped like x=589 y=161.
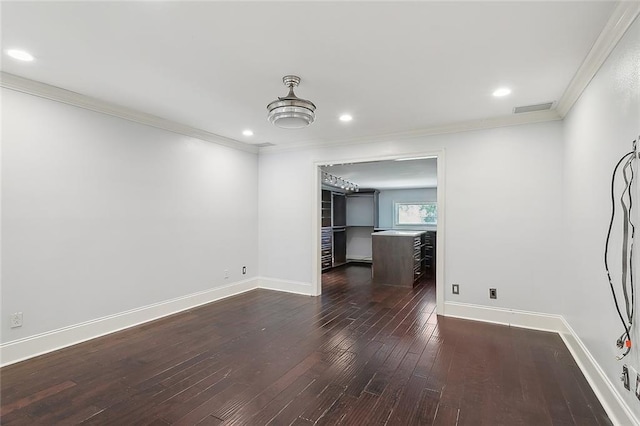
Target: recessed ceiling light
x=20 y=55
x=247 y=132
x=346 y=117
x=503 y=91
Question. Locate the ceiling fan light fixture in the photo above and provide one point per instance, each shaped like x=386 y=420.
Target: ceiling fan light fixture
x=291 y=112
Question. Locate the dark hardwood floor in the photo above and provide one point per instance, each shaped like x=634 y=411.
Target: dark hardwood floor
x=359 y=354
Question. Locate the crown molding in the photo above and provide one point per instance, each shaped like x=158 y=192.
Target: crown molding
x=457 y=127
x=619 y=22
x=58 y=94
x=622 y=17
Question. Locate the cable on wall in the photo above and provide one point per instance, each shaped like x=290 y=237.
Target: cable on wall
x=628 y=235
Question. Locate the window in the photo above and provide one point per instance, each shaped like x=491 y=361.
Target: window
x=419 y=213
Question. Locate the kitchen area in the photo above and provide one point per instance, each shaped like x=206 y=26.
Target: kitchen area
x=382 y=214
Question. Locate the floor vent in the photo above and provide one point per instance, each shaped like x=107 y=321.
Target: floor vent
x=264 y=145
x=531 y=108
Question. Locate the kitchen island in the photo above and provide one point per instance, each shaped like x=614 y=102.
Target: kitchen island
x=399 y=257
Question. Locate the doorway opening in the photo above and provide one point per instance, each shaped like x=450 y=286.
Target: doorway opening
x=355 y=199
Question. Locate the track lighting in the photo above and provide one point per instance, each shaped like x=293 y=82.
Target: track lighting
x=338 y=182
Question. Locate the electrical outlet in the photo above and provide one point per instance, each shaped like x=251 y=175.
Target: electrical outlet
x=455 y=288
x=244 y=270
x=625 y=377
x=493 y=293
x=226 y=274
x=15 y=319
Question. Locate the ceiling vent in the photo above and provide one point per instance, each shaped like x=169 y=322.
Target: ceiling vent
x=264 y=145
x=532 y=108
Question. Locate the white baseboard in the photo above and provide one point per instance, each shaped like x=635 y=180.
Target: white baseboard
x=617 y=409
x=513 y=317
x=296 y=287
x=29 y=347
x=359 y=259
x=613 y=403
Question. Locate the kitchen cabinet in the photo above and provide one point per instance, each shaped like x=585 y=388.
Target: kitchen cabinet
x=339 y=206
x=326 y=248
x=333 y=239
x=430 y=253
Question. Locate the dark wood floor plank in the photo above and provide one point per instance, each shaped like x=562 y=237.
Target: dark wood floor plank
x=446 y=415
x=364 y=375
x=394 y=387
x=409 y=400
x=556 y=403
x=210 y=421
x=209 y=406
x=299 y=404
x=361 y=354
x=30 y=399
x=173 y=402
x=338 y=411
x=267 y=413
x=273 y=391
x=358 y=412
x=323 y=403
x=427 y=407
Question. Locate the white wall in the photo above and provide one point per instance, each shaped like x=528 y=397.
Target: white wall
x=101 y=215
x=391 y=196
x=506 y=237
x=598 y=131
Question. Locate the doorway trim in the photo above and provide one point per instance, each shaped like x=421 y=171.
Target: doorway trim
x=316 y=191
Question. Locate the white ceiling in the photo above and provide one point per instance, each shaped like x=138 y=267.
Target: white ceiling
x=390 y=174
x=395 y=66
